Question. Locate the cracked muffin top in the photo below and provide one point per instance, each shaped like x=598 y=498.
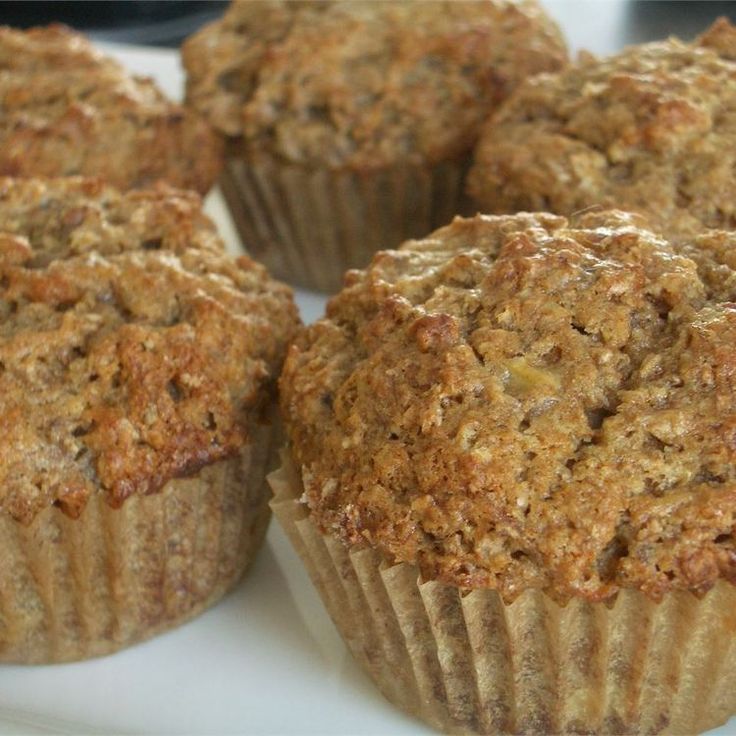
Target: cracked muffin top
x=363 y=84
x=66 y=109
x=132 y=349
x=525 y=402
x=650 y=130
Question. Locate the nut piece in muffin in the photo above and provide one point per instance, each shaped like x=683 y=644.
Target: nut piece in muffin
x=67 y=109
x=650 y=130
x=137 y=374
x=350 y=123
x=512 y=449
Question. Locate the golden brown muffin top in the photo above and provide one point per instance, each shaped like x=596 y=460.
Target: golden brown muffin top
x=651 y=129
x=525 y=402
x=66 y=109
x=129 y=363
x=364 y=84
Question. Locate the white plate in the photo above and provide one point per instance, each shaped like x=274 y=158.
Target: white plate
x=266 y=660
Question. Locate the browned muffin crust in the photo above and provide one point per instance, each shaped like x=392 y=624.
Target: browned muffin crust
x=362 y=84
x=715 y=254
x=521 y=402
x=67 y=109
x=126 y=364
x=651 y=129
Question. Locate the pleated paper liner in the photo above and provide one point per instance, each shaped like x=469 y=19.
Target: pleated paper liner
x=472 y=664
x=309 y=226
x=77 y=588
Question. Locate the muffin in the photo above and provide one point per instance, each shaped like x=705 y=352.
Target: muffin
x=650 y=130
x=67 y=109
x=137 y=378
x=350 y=124
x=511 y=474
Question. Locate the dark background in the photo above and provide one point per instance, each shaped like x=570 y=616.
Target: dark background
x=647 y=20
x=147 y=22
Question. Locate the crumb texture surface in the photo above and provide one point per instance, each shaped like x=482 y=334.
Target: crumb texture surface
x=360 y=84
x=66 y=109
x=651 y=130
x=525 y=402
x=132 y=349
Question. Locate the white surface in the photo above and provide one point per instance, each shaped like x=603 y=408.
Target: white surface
x=267 y=659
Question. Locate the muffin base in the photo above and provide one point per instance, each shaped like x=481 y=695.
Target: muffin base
x=78 y=588
x=473 y=664
x=309 y=226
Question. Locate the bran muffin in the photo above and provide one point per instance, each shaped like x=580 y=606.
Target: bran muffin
x=511 y=474
x=350 y=124
x=137 y=378
x=650 y=130
x=67 y=109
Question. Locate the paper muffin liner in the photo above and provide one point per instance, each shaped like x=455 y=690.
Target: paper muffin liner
x=77 y=588
x=309 y=226
x=473 y=664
